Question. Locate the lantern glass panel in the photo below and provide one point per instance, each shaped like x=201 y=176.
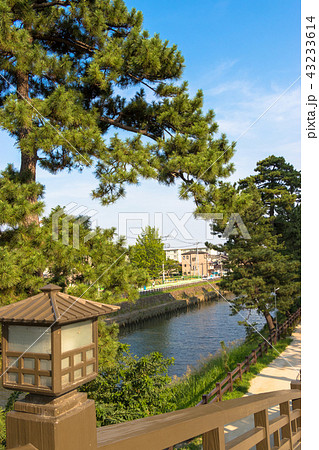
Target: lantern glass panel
x=28 y=363
x=13 y=377
x=77 y=359
x=13 y=361
x=33 y=339
x=28 y=379
x=78 y=374
x=46 y=381
x=76 y=335
x=45 y=364
x=89 y=354
x=89 y=369
x=65 y=363
x=66 y=379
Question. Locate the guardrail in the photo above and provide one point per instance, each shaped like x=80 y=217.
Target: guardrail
x=175 y=286
x=166 y=430
x=226 y=385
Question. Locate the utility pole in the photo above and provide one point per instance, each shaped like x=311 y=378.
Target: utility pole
x=163 y=273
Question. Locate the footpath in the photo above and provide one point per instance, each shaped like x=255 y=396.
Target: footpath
x=277 y=376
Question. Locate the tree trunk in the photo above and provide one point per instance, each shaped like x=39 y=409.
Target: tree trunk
x=28 y=161
x=270 y=321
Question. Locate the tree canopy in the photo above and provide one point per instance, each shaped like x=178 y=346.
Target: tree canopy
x=148 y=252
x=28 y=251
x=262 y=261
x=279 y=184
x=74 y=73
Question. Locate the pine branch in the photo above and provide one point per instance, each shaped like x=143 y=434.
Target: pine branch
x=75 y=43
x=49 y=4
x=128 y=128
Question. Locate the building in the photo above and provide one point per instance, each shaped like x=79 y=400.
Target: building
x=216 y=265
x=176 y=253
x=195 y=263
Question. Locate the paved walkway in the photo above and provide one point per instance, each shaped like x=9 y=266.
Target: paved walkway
x=276 y=376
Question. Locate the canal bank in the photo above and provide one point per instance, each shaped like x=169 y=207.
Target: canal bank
x=161 y=304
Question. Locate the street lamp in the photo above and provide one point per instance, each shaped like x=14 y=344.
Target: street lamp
x=49 y=342
x=49 y=348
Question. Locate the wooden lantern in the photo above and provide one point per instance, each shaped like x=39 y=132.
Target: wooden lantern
x=50 y=342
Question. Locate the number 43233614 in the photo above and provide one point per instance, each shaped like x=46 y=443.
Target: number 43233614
x=310 y=52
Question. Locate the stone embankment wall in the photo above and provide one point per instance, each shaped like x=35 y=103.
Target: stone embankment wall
x=160 y=304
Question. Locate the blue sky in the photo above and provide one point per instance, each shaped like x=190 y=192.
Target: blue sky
x=243 y=55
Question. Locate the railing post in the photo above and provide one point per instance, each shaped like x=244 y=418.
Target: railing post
x=296 y=403
x=247 y=364
x=255 y=356
x=205 y=399
x=239 y=370
x=219 y=394
x=214 y=439
x=231 y=381
x=261 y=420
x=286 y=429
x=261 y=349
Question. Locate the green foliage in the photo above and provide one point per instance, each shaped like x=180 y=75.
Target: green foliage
x=279 y=184
x=78 y=71
x=225 y=356
x=261 y=261
x=256 y=264
x=148 y=252
x=188 y=391
x=132 y=388
x=21 y=262
x=3 y=435
x=97 y=259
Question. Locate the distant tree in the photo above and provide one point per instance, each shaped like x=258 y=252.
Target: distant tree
x=148 y=252
x=279 y=184
x=172 y=267
x=256 y=266
x=75 y=71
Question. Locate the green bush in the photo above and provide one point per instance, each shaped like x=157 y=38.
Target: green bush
x=132 y=388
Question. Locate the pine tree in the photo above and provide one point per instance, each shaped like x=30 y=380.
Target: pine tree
x=148 y=252
x=21 y=264
x=74 y=71
x=279 y=184
x=256 y=265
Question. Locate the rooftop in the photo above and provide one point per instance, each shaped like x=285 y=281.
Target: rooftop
x=52 y=306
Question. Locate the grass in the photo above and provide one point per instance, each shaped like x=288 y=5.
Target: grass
x=189 y=389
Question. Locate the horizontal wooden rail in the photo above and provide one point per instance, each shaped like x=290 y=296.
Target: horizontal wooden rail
x=226 y=385
x=166 y=430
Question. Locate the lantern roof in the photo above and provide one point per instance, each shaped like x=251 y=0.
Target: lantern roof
x=52 y=306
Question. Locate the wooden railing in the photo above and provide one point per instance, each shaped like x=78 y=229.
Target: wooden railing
x=166 y=430
x=226 y=385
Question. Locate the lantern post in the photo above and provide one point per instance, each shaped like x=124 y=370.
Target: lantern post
x=49 y=349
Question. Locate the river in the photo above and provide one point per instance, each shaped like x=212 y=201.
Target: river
x=188 y=335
